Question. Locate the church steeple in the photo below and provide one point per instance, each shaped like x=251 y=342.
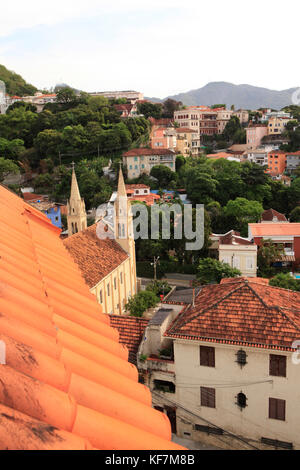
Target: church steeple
x=76 y=215
x=121 y=184
x=123 y=225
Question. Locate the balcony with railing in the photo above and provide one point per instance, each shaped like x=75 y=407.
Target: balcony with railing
x=155 y=363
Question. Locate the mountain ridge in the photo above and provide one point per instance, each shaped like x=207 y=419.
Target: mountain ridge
x=241 y=96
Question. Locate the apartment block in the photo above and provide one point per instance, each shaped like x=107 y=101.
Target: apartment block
x=141 y=160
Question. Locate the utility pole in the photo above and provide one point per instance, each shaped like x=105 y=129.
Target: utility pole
x=154 y=264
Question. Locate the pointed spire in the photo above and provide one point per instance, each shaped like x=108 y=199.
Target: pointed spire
x=75 y=194
x=121 y=184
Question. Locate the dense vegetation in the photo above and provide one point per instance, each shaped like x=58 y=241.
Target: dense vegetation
x=90 y=131
x=15 y=84
x=80 y=128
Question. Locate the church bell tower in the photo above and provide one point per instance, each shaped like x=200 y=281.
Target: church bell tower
x=76 y=214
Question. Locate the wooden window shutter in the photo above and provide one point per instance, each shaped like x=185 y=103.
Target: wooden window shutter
x=208 y=397
x=281 y=409
x=277 y=409
x=277 y=365
x=282 y=366
x=207 y=356
x=272 y=408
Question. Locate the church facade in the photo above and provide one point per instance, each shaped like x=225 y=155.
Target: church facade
x=106 y=262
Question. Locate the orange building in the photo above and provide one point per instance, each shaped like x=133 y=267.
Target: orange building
x=276 y=162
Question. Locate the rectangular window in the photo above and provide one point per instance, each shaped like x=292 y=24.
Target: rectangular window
x=277 y=365
x=207 y=356
x=101 y=297
x=108 y=290
x=208 y=397
x=277 y=409
x=249 y=262
x=115 y=283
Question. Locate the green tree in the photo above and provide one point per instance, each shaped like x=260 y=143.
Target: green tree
x=163 y=174
x=180 y=162
x=48 y=143
x=295 y=214
x=150 y=109
x=268 y=253
x=15 y=84
x=285 y=281
x=232 y=129
x=140 y=302
x=169 y=107
x=213 y=271
x=244 y=211
x=7 y=167
x=66 y=95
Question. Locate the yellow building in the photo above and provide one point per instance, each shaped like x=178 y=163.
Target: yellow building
x=184 y=141
x=277 y=125
x=106 y=255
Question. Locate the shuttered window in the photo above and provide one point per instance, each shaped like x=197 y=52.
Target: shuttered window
x=277 y=409
x=277 y=365
x=207 y=356
x=208 y=397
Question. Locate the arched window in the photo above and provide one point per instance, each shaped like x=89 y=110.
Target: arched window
x=241 y=357
x=241 y=400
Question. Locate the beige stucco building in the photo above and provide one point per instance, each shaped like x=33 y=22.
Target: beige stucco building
x=105 y=253
x=237 y=251
x=141 y=160
x=277 y=125
x=242 y=114
x=185 y=141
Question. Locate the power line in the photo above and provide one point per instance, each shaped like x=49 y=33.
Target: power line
x=229 y=385
x=208 y=422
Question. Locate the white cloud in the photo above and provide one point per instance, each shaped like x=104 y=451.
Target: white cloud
x=18 y=14
x=173 y=46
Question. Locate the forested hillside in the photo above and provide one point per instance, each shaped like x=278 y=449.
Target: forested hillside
x=15 y=84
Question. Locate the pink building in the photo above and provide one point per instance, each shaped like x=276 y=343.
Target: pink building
x=163 y=138
x=255 y=133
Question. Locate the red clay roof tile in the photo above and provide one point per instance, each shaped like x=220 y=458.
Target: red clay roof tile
x=242 y=311
x=66 y=382
x=96 y=258
x=131 y=330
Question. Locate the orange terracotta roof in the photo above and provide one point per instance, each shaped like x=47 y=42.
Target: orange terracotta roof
x=269 y=214
x=131 y=330
x=278 y=229
x=32 y=197
x=137 y=186
x=242 y=311
x=66 y=382
x=184 y=130
x=219 y=155
x=96 y=258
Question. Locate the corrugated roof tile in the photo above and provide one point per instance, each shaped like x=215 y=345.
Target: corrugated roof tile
x=66 y=383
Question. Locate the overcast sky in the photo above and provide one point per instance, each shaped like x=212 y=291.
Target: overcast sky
x=158 y=47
